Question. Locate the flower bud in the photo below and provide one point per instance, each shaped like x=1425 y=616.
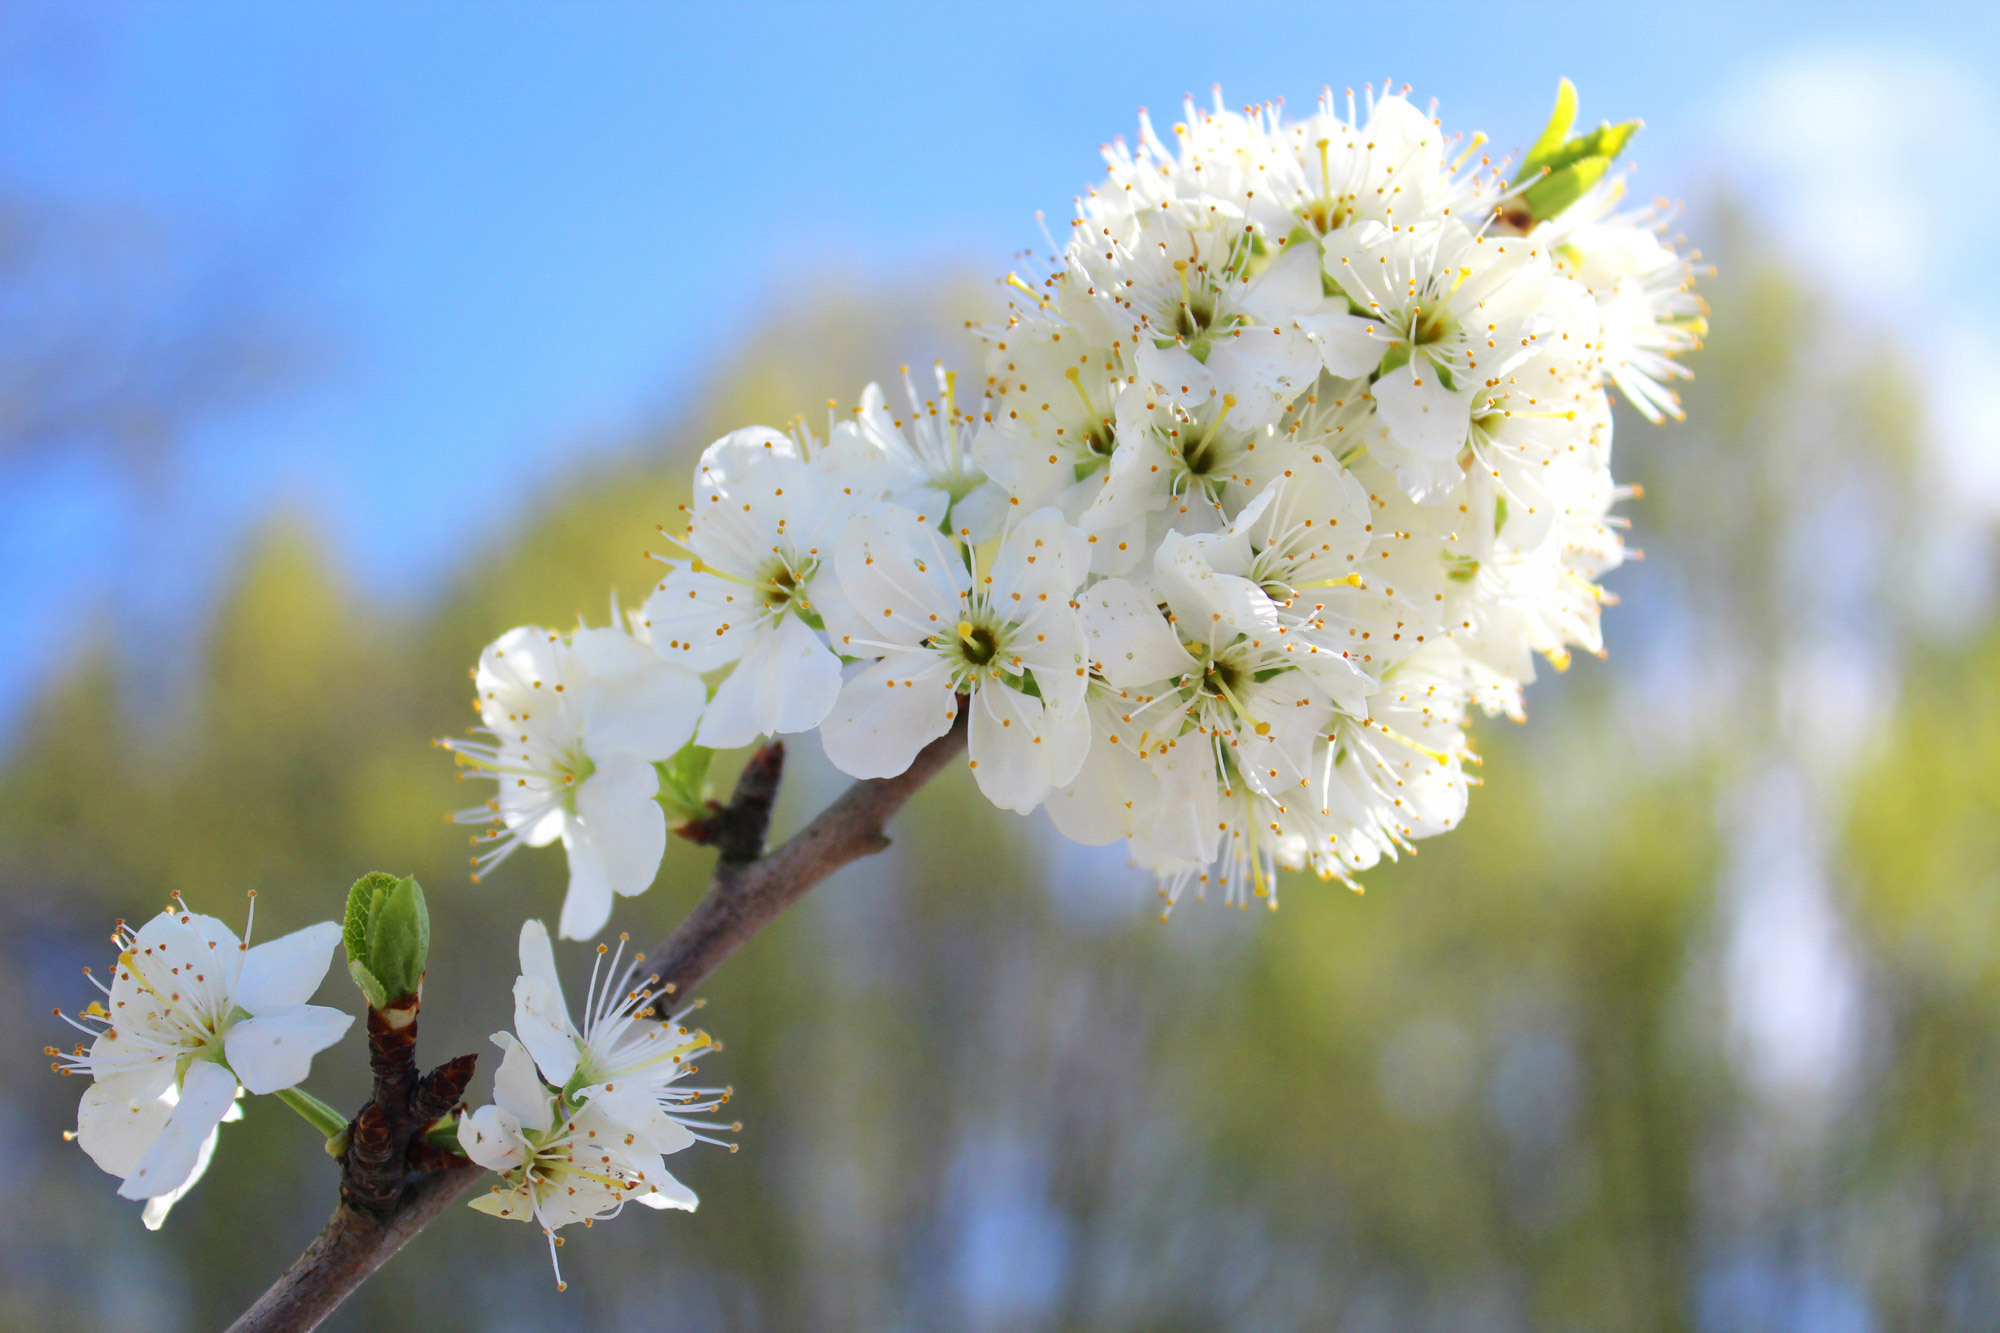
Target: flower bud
x=388 y=937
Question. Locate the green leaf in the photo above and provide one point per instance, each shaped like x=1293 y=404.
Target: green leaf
x=1563 y=166
x=1554 y=135
x=360 y=906
x=1552 y=194
x=366 y=982
x=399 y=939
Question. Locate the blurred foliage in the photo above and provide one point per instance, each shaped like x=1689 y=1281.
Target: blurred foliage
x=980 y=1087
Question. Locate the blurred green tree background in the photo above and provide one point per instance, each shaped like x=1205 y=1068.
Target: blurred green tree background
x=1691 y=1025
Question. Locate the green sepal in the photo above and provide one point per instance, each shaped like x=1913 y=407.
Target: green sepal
x=684 y=790
x=444 y=1134
x=1394 y=359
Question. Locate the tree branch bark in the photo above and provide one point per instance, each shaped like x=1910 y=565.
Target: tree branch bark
x=747 y=890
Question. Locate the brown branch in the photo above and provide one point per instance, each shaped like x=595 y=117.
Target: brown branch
x=746 y=892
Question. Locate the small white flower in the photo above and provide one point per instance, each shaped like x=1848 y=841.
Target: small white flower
x=1222 y=709
x=1389 y=779
x=1643 y=289
x=193 y=1017
x=558 y=1162
x=925 y=457
x=1453 y=311
x=1009 y=639
x=1055 y=425
x=1199 y=308
x=574 y=727
x=760 y=530
x=624 y=1061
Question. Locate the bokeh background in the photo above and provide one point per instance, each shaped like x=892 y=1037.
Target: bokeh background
x=335 y=340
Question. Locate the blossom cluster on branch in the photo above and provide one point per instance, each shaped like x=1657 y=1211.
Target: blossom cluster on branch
x=1298 y=451
x=1293 y=454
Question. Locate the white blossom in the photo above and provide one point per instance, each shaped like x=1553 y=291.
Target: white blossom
x=192 y=1019
x=559 y=1162
x=1008 y=638
x=625 y=1059
x=573 y=727
x=765 y=513
x=581 y=1119
x=925 y=458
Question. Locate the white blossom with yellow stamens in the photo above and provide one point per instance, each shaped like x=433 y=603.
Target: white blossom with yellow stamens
x=573 y=726
x=193 y=1018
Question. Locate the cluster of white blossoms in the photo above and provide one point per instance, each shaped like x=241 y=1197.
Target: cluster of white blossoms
x=1298 y=452
x=581 y=1118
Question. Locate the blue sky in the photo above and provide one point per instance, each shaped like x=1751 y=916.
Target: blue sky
x=519 y=229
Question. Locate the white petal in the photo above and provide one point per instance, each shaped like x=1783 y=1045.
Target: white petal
x=1425 y=417
x=1349 y=346
x=544 y=1028
x=116 y=1130
x=154 y=1214
x=1290 y=287
x=699 y=621
x=1172 y=371
x=898 y=576
x=614 y=846
x=748 y=453
x=275 y=1049
x=1183 y=823
x=785 y=682
x=1051 y=644
x=1203 y=598
x=491 y=1136
x=609 y=654
x=981 y=513
x=1010 y=747
x=889 y=712
x=287 y=970
x=1130 y=641
x=616 y=809
x=632 y=1107
x=669 y=1193
x=206 y=1093
x=538 y=957
x=1111 y=789
x=1041 y=558
x=622 y=781
x=517 y=1089
x=173 y=951
x=587 y=904
x=650 y=711
x=1266 y=367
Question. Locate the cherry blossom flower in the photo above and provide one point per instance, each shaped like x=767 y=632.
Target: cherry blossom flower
x=192 y=1019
